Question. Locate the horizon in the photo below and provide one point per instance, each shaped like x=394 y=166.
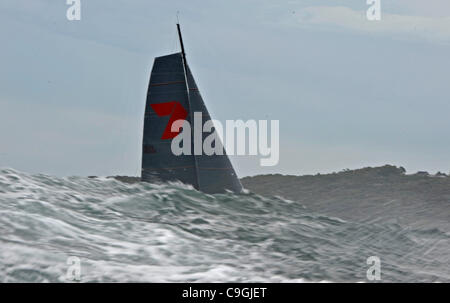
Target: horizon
x=344 y=170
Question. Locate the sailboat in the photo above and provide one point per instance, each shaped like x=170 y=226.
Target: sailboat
x=173 y=95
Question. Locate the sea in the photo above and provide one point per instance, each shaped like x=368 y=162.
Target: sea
x=80 y=229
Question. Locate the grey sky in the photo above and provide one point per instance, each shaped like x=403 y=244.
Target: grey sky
x=348 y=93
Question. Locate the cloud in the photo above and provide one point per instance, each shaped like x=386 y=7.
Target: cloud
x=343 y=18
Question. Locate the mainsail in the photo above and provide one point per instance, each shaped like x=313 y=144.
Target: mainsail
x=173 y=95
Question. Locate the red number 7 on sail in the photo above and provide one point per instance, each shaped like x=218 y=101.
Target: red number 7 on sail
x=176 y=112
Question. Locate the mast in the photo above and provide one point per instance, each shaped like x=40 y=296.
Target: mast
x=183 y=54
x=191 y=114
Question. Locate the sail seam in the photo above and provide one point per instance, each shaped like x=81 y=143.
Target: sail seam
x=167 y=83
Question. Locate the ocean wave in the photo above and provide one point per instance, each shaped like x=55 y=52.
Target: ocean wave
x=144 y=232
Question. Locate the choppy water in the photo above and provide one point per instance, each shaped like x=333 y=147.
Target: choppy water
x=172 y=233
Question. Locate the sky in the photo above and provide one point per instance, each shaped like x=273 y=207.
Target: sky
x=348 y=92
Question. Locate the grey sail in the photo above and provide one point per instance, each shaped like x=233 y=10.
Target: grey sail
x=215 y=172
x=167 y=90
x=173 y=95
